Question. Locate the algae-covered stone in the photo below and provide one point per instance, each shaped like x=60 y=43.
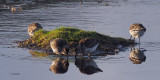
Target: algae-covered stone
x=41 y=39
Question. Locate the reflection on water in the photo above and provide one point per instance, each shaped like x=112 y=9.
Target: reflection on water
x=137 y=56
x=87 y=66
x=38 y=54
x=59 y=65
x=113 y=20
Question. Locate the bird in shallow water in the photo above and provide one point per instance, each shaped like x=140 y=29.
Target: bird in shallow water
x=59 y=46
x=13 y=9
x=32 y=28
x=87 y=45
x=137 y=30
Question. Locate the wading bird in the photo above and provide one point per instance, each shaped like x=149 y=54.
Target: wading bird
x=59 y=46
x=137 y=30
x=87 y=45
x=33 y=27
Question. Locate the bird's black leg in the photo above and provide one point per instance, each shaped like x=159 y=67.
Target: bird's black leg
x=89 y=57
x=89 y=54
x=130 y=37
x=139 y=40
x=57 y=55
x=82 y=54
x=139 y=43
x=134 y=39
x=76 y=55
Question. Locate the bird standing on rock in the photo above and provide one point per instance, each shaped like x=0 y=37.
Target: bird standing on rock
x=137 y=30
x=59 y=46
x=87 y=45
x=32 y=28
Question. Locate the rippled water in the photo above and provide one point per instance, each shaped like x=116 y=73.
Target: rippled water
x=113 y=20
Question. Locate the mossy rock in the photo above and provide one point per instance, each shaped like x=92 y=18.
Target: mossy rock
x=41 y=39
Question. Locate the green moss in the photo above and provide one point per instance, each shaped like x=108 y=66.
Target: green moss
x=68 y=33
x=72 y=35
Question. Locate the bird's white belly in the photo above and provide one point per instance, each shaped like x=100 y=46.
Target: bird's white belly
x=137 y=33
x=31 y=33
x=90 y=50
x=55 y=51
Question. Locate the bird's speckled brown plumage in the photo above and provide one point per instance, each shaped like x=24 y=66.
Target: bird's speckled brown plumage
x=87 y=46
x=137 y=30
x=33 y=27
x=88 y=42
x=59 y=46
x=137 y=26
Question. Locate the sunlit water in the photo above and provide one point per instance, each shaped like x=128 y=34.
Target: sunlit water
x=113 y=20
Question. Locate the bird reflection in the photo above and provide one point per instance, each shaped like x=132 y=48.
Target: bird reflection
x=59 y=65
x=87 y=66
x=137 y=56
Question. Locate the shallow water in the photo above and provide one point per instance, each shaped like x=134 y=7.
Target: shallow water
x=113 y=20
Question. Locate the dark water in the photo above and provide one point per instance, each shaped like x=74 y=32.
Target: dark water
x=113 y=20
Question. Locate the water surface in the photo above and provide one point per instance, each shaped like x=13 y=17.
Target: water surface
x=113 y=20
